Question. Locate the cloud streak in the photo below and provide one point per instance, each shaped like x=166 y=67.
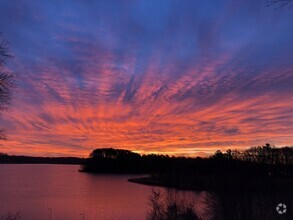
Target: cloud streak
x=150 y=76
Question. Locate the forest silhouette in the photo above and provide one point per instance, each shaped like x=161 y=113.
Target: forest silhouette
x=262 y=168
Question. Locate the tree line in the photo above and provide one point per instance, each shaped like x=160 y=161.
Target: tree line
x=12 y=159
x=266 y=160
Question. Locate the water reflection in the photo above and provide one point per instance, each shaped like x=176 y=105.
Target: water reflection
x=33 y=189
x=38 y=190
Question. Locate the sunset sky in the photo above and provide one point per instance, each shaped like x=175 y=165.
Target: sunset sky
x=176 y=77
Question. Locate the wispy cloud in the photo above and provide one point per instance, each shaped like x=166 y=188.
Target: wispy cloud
x=151 y=76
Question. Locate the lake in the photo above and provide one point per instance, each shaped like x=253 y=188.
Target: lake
x=37 y=191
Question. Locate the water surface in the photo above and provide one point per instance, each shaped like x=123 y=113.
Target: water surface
x=34 y=189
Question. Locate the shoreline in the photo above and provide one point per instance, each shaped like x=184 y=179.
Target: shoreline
x=222 y=185
x=151 y=182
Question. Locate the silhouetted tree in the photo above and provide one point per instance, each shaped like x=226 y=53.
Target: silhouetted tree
x=229 y=154
x=169 y=206
x=6 y=80
x=218 y=155
x=113 y=153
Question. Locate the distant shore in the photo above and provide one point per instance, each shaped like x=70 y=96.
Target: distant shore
x=13 y=159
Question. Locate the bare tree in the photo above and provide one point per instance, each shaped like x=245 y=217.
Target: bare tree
x=6 y=80
x=170 y=205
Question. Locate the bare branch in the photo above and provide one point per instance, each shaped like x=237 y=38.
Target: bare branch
x=6 y=80
x=4 y=52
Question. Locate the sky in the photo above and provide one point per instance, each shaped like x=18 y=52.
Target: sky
x=153 y=76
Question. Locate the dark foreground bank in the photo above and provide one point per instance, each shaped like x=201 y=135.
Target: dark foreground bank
x=219 y=183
